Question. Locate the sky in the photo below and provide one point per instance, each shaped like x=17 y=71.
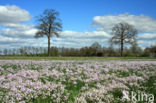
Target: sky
x=84 y=21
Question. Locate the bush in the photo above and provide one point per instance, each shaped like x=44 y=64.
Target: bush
x=99 y=54
x=129 y=55
x=145 y=54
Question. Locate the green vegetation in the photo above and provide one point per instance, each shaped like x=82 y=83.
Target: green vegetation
x=76 y=81
x=74 y=58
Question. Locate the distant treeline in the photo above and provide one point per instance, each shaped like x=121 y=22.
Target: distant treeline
x=94 y=50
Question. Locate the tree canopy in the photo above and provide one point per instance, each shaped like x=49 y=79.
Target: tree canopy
x=49 y=24
x=123 y=33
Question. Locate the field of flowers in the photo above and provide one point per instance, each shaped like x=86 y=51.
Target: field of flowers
x=85 y=81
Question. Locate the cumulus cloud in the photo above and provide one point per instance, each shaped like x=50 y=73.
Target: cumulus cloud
x=13 y=14
x=17 y=33
x=67 y=39
x=146 y=43
x=14 y=33
x=12 y=29
x=81 y=39
x=23 y=31
x=145 y=25
x=141 y=22
x=11 y=19
x=147 y=36
x=9 y=42
x=87 y=35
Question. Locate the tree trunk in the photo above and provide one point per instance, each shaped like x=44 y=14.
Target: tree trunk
x=48 y=46
x=121 y=52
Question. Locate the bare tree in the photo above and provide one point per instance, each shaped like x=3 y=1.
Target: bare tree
x=5 y=51
x=48 y=25
x=0 y=52
x=135 y=49
x=123 y=33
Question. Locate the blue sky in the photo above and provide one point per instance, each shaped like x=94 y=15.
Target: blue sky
x=78 y=16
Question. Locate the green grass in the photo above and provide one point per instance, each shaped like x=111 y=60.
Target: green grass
x=73 y=58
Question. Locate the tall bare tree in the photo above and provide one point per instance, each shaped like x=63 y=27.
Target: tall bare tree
x=49 y=24
x=123 y=33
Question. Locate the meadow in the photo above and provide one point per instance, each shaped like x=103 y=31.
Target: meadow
x=77 y=80
x=75 y=58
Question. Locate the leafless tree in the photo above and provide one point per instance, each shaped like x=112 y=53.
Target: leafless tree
x=49 y=25
x=135 y=49
x=123 y=33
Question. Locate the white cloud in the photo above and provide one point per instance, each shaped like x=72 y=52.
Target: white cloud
x=11 y=17
x=16 y=34
x=67 y=39
x=88 y=35
x=13 y=31
x=19 y=32
x=147 y=36
x=141 y=22
x=13 y=14
x=9 y=42
x=144 y=24
x=144 y=43
x=81 y=39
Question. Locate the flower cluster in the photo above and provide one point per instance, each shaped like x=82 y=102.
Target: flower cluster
x=71 y=81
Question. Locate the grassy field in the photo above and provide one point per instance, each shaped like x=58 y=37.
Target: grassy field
x=74 y=58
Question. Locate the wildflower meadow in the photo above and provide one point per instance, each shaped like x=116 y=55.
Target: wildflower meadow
x=77 y=81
